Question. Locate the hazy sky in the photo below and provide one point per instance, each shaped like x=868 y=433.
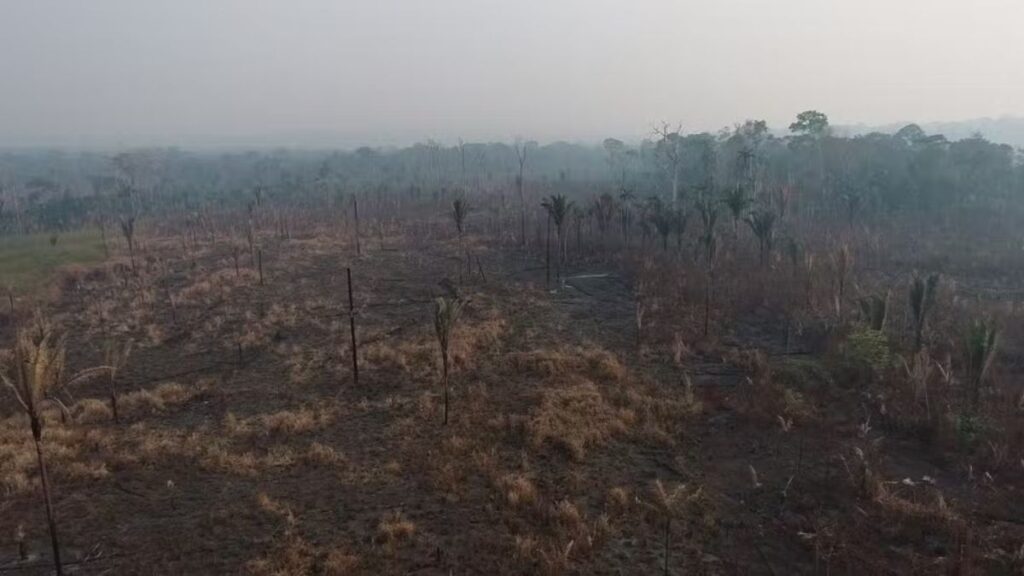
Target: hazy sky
x=392 y=71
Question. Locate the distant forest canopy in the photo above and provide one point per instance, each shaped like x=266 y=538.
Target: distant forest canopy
x=828 y=174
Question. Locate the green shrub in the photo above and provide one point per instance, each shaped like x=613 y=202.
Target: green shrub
x=869 y=347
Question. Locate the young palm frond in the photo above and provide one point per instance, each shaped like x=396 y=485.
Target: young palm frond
x=842 y=261
x=981 y=342
x=35 y=375
x=762 y=223
x=875 y=310
x=128 y=231
x=663 y=221
x=447 y=311
x=460 y=210
x=922 y=298
x=708 y=211
x=680 y=218
x=709 y=218
x=116 y=360
x=603 y=209
x=668 y=504
x=626 y=201
x=578 y=216
x=558 y=208
x=737 y=201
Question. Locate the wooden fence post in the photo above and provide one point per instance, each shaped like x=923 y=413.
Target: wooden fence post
x=352 y=326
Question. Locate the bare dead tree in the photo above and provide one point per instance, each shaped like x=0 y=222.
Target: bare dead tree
x=352 y=328
x=128 y=230
x=670 y=150
x=355 y=212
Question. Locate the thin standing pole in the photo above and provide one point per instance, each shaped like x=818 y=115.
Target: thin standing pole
x=480 y=268
x=259 y=259
x=352 y=326
x=355 y=210
x=547 y=254
x=444 y=362
x=44 y=478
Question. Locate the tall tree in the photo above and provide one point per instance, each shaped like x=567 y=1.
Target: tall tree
x=922 y=298
x=521 y=148
x=670 y=152
x=708 y=210
x=737 y=201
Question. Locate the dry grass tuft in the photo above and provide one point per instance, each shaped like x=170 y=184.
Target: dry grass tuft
x=340 y=563
x=618 y=501
x=519 y=491
x=928 y=508
x=323 y=455
x=219 y=459
x=147 y=402
x=567 y=516
x=271 y=506
x=597 y=364
x=293 y=421
x=576 y=417
x=92 y=411
x=283 y=423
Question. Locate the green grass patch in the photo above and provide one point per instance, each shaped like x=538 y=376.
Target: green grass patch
x=802 y=373
x=29 y=262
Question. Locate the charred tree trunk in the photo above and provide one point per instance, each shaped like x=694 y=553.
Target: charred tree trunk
x=51 y=520
x=352 y=328
x=355 y=211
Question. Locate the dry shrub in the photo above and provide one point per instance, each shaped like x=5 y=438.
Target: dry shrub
x=575 y=417
x=567 y=516
x=291 y=555
x=340 y=563
x=14 y=482
x=284 y=422
x=929 y=507
x=293 y=421
x=17 y=456
x=389 y=357
x=473 y=338
x=155 y=334
x=272 y=506
x=394 y=528
x=70 y=277
x=618 y=501
x=144 y=402
x=218 y=459
x=570 y=536
x=92 y=411
x=85 y=470
x=279 y=456
x=525 y=548
x=72 y=453
x=519 y=491
x=772 y=390
x=307 y=364
x=594 y=363
x=323 y=455
x=658 y=416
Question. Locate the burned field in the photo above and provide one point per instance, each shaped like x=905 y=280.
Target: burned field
x=617 y=402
